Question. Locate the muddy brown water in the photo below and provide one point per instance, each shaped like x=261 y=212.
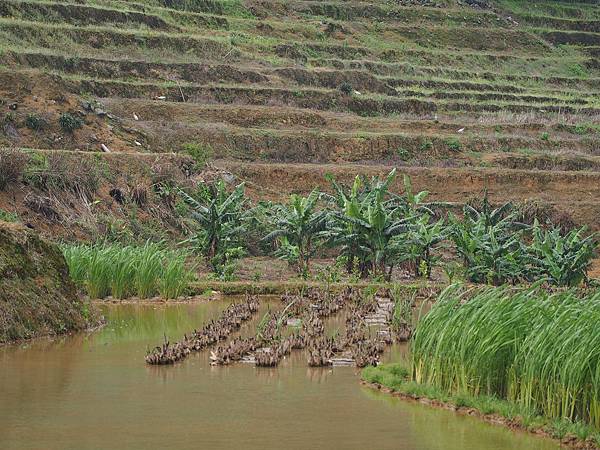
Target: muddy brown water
x=94 y=391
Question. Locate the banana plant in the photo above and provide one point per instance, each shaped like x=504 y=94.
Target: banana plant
x=420 y=242
x=365 y=223
x=220 y=216
x=562 y=260
x=491 y=254
x=298 y=226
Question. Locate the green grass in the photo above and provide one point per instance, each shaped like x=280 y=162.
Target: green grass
x=540 y=350
x=124 y=271
x=397 y=377
x=8 y=216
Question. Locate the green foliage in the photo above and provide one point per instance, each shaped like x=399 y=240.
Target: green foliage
x=538 y=349
x=403 y=154
x=297 y=227
x=261 y=222
x=561 y=259
x=221 y=224
x=545 y=136
x=124 y=271
x=220 y=7
x=200 y=153
x=578 y=70
x=34 y=122
x=346 y=88
x=69 y=122
x=453 y=144
x=426 y=146
x=176 y=277
x=495 y=249
x=377 y=228
x=8 y=216
x=403 y=308
x=364 y=223
x=489 y=241
x=420 y=242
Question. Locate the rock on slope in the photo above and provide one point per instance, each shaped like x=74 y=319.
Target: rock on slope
x=37 y=296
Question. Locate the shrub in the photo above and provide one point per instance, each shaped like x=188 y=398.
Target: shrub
x=403 y=154
x=12 y=164
x=34 y=122
x=200 y=153
x=69 y=123
x=64 y=172
x=221 y=219
x=425 y=146
x=346 y=88
x=10 y=117
x=562 y=260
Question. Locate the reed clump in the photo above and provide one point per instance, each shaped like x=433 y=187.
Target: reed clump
x=126 y=271
x=537 y=349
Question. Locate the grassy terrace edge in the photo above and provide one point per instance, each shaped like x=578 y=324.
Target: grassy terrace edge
x=394 y=379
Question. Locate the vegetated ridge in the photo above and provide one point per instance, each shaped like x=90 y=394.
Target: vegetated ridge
x=36 y=295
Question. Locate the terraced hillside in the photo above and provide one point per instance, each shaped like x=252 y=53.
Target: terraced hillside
x=465 y=94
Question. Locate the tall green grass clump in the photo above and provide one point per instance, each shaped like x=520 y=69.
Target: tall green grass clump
x=124 y=271
x=557 y=368
x=538 y=349
x=175 y=276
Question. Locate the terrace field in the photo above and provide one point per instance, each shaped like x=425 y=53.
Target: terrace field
x=462 y=95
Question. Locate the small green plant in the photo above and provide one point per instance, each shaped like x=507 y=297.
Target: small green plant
x=34 y=122
x=453 y=271
x=403 y=154
x=8 y=216
x=578 y=70
x=346 y=88
x=545 y=136
x=69 y=123
x=453 y=144
x=581 y=129
x=426 y=146
x=200 y=153
x=10 y=117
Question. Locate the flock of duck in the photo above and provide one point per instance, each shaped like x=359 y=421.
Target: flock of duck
x=297 y=325
x=231 y=320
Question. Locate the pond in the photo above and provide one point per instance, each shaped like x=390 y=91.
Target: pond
x=94 y=391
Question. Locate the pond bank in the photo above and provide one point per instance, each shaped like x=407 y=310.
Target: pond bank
x=393 y=379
